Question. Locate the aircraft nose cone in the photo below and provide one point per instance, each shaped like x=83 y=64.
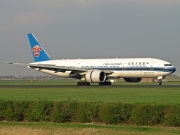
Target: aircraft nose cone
x=174 y=69
x=170 y=69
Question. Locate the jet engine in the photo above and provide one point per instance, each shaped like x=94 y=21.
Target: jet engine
x=132 y=79
x=95 y=76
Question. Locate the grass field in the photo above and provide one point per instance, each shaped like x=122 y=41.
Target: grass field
x=119 y=92
x=169 y=93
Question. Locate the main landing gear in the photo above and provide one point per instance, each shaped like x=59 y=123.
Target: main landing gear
x=104 y=83
x=83 y=83
x=87 y=83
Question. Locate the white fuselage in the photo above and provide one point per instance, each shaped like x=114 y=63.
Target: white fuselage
x=121 y=67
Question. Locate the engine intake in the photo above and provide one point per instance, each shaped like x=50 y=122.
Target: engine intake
x=132 y=79
x=95 y=76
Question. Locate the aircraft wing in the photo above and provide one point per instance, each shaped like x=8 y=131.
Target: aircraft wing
x=56 y=68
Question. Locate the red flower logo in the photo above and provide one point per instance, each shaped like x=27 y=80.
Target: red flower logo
x=36 y=49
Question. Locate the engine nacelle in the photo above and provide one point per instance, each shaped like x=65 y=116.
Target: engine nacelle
x=132 y=79
x=95 y=76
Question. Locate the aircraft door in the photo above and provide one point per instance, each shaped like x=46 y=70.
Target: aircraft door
x=151 y=66
x=78 y=65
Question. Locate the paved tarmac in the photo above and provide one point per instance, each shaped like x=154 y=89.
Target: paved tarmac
x=91 y=86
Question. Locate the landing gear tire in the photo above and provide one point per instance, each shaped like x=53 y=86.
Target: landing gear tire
x=159 y=82
x=83 y=83
x=104 y=83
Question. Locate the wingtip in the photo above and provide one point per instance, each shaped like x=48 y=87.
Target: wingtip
x=8 y=62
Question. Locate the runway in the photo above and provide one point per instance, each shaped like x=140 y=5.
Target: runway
x=91 y=86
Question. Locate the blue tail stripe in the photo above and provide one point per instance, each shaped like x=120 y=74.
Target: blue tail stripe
x=38 y=51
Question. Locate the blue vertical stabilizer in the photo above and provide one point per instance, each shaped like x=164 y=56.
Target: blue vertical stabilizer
x=38 y=51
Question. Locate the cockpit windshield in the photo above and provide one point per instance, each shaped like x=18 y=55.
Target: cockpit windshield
x=167 y=65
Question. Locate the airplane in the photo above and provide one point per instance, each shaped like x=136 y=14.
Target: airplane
x=98 y=70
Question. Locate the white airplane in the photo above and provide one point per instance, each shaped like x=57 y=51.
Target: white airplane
x=98 y=70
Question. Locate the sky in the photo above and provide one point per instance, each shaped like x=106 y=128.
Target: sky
x=89 y=29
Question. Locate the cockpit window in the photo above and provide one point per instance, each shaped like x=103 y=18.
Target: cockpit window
x=167 y=65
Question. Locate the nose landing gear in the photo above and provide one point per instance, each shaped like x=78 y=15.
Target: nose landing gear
x=159 y=82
